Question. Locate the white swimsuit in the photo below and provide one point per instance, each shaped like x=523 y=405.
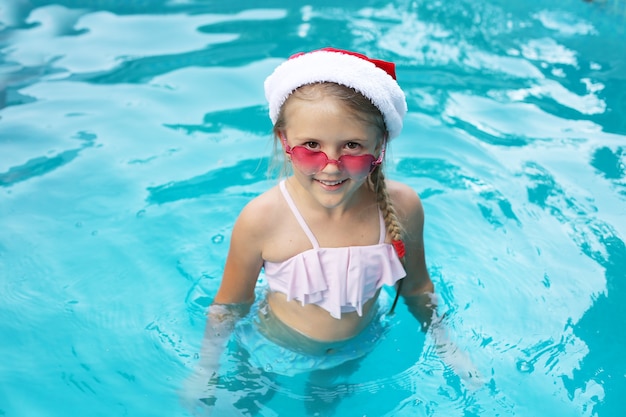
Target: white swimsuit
x=339 y=280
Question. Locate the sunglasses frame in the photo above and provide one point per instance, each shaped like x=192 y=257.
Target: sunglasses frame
x=375 y=161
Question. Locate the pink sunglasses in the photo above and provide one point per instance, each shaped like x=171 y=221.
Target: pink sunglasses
x=311 y=162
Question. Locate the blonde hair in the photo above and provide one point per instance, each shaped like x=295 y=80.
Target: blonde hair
x=363 y=109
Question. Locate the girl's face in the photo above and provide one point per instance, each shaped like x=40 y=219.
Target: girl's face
x=324 y=124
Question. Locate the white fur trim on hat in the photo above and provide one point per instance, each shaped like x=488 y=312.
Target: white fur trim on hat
x=341 y=68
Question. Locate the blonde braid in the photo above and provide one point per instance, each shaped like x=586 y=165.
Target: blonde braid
x=392 y=224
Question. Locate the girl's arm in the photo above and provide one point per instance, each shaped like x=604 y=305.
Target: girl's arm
x=232 y=302
x=418 y=289
x=236 y=292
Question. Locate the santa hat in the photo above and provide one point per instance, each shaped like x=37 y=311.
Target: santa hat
x=373 y=78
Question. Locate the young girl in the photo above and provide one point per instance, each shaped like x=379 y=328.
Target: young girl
x=329 y=236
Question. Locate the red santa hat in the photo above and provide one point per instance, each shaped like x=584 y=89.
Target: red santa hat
x=373 y=78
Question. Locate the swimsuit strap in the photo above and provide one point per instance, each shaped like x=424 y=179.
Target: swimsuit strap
x=296 y=212
x=307 y=230
x=383 y=229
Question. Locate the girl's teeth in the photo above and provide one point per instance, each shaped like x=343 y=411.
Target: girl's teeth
x=331 y=183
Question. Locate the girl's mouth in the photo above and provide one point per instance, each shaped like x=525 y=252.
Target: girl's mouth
x=331 y=183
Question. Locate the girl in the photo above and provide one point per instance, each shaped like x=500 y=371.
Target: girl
x=329 y=236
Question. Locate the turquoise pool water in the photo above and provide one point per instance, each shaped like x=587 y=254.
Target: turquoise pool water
x=133 y=132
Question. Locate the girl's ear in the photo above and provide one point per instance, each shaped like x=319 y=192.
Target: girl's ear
x=283 y=139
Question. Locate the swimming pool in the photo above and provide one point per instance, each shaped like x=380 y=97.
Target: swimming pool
x=132 y=133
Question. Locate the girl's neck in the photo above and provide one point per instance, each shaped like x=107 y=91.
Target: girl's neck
x=359 y=201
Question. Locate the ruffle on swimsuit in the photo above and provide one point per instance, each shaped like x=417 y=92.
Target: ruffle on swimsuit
x=339 y=280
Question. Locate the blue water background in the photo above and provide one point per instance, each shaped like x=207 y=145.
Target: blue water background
x=133 y=132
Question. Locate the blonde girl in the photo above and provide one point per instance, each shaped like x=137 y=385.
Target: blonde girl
x=331 y=234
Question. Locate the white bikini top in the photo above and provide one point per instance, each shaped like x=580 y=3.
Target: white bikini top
x=339 y=280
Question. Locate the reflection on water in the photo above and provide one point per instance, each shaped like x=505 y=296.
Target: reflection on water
x=255 y=118
x=604 y=364
x=245 y=172
x=36 y=167
x=610 y=162
x=44 y=164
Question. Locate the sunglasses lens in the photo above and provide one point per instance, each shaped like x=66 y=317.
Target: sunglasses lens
x=309 y=162
x=357 y=165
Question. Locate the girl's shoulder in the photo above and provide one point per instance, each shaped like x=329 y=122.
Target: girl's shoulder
x=402 y=195
x=405 y=200
x=262 y=212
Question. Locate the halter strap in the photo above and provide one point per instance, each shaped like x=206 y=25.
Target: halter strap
x=307 y=230
x=299 y=218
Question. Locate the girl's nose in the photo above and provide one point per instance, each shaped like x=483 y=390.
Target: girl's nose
x=333 y=155
x=332 y=165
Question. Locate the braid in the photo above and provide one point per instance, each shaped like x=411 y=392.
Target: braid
x=392 y=224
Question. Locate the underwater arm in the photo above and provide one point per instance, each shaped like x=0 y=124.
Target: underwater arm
x=199 y=390
x=419 y=294
x=231 y=303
